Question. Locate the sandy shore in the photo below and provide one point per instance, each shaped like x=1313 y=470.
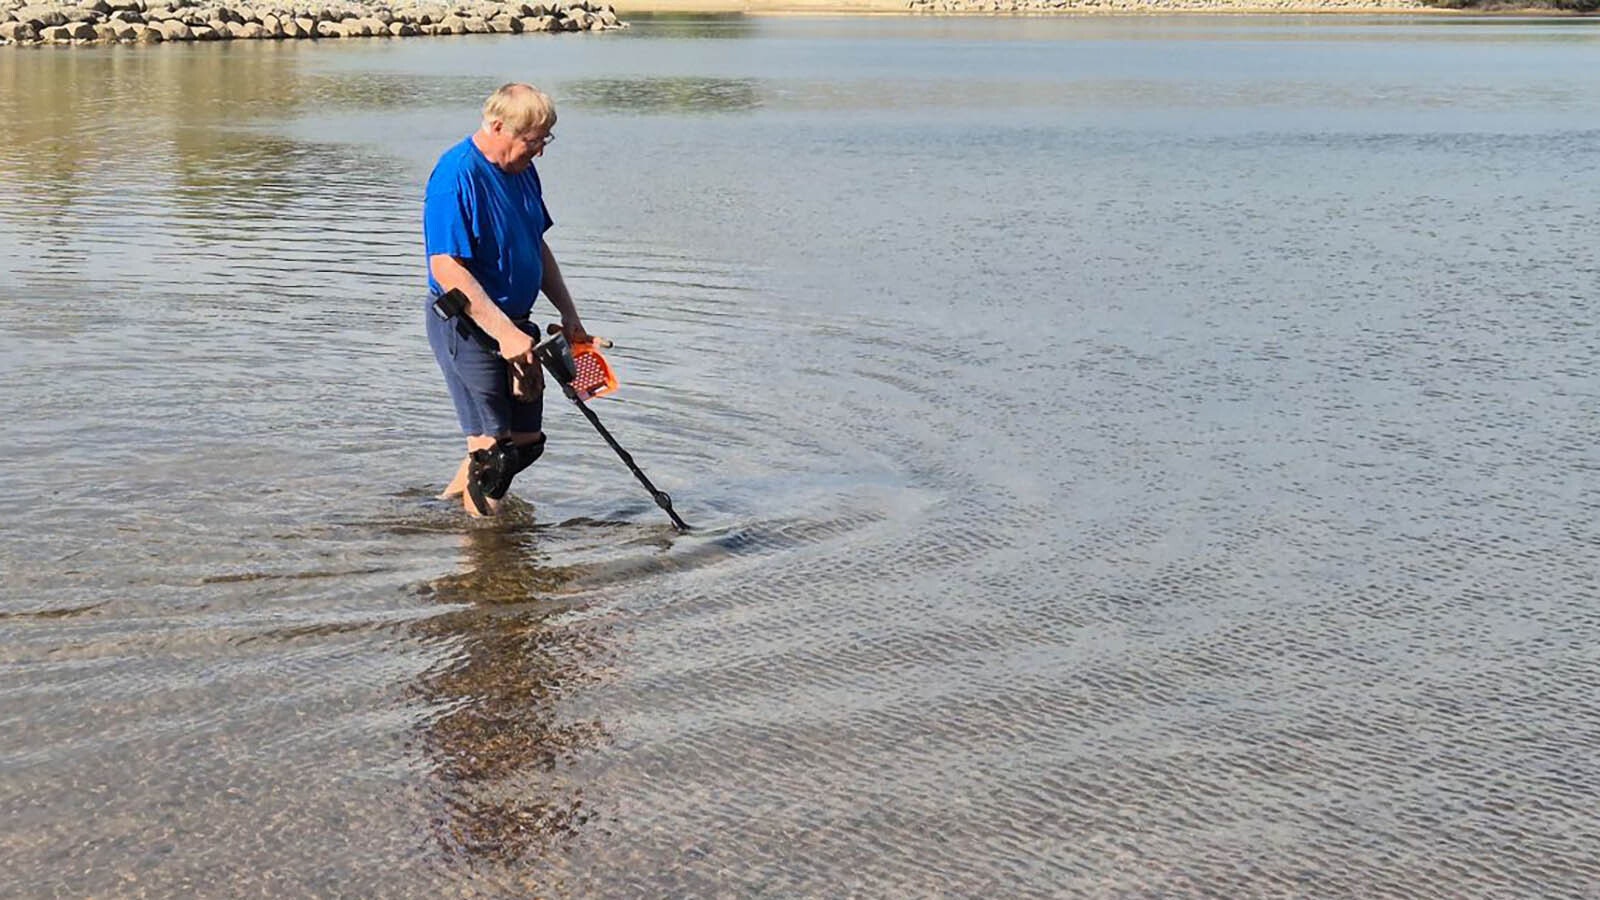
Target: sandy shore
x=626 y=8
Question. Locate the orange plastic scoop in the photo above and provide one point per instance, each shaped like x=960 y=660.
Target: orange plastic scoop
x=594 y=377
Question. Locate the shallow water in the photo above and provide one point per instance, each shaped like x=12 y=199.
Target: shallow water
x=1128 y=457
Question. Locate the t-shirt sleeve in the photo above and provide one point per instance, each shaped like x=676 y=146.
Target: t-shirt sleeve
x=538 y=189
x=448 y=212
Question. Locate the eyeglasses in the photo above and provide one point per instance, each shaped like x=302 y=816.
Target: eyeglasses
x=537 y=142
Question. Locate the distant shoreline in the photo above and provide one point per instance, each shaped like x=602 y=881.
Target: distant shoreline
x=1071 y=8
x=58 y=22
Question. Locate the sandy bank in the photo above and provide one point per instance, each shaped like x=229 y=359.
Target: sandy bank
x=626 y=8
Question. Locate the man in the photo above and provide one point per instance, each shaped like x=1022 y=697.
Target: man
x=483 y=223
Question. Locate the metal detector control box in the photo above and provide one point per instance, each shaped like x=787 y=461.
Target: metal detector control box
x=556 y=355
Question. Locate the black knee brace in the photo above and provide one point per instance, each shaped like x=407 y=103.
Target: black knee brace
x=491 y=469
x=489 y=472
x=524 y=455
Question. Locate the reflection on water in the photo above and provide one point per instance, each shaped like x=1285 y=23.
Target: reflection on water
x=81 y=122
x=667 y=95
x=695 y=26
x=497 y=739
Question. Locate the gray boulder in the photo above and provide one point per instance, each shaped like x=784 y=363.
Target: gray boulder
x=77 y=31
x=42 y=17
x=19 y=31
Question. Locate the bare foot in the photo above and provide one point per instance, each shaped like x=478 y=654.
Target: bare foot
x=474 y=511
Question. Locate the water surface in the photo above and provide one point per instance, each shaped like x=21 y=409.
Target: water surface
x=1134 y=457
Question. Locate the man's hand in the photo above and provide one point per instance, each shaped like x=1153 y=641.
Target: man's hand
x=573 y=328
x=516 y=345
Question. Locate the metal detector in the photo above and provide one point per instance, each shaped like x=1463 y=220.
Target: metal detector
x=582 y=373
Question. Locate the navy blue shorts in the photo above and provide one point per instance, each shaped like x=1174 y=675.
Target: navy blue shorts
x=479 y=384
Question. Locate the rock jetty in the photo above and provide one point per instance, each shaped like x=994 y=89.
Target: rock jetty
x=155 y=21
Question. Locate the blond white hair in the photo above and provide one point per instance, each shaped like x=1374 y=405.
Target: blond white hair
x=521 y=107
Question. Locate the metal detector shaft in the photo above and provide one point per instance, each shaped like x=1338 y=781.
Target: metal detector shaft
x=660 y=496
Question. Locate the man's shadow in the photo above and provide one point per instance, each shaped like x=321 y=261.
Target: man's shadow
x=494 y=740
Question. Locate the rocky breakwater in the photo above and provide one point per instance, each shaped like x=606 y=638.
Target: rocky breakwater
x=155 y=21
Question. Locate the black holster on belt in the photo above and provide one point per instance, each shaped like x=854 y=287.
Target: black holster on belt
x=524 y=378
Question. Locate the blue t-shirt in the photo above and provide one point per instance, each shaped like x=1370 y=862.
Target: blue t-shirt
x=492 y=221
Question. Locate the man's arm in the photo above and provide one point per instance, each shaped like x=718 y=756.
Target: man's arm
x=555 y=287
x=451 y=274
